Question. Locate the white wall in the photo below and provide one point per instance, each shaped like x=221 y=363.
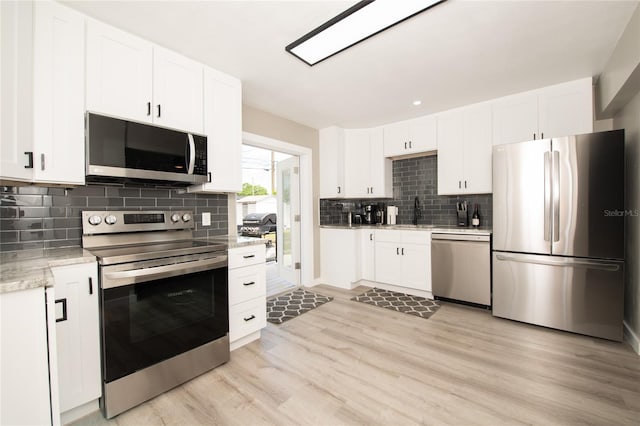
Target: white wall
x=629 y=119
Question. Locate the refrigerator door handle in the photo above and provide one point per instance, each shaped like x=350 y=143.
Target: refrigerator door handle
x=555 y=178
x=573 y=263
x=547 y=196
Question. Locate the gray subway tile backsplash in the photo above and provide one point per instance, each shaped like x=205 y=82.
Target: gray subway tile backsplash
x=413 y=177
x=33 y=217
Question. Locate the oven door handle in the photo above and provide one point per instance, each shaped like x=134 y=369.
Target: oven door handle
x=122 y=278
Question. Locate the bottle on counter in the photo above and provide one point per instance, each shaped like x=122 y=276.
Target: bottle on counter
x=475 y=219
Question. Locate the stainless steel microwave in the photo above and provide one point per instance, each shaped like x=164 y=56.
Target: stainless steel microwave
x=120 y=150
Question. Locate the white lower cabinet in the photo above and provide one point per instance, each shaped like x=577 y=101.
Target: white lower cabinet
x=26 y=394
x=247 y=294
x=77 y=337
x=368 y=252
x=340 y=257
x=403 y=258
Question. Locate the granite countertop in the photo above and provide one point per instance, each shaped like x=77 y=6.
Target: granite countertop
x=483 y=230
x=26 y=269
x=235 y=241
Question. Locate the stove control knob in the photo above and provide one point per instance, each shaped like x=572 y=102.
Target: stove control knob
x=186 y=217
x=175 y=217
x=110 y=220
x=95 y=220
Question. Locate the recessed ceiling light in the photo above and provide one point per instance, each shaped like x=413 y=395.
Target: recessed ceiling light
x=416 y=103
x=361 y=21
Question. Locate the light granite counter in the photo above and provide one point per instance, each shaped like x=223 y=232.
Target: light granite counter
x=235 y=241
x=432 y=228
x=25 y=269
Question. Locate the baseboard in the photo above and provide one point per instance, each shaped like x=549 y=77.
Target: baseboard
x=631 y=338
x=244 y=340
x=77 y=413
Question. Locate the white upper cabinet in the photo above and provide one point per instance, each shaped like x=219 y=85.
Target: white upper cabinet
x=119 y=70
x=332 y=162
x=177 y=91
x=410 y=137
x=566 y=109
x=464 y=150
x=58 y=82
x=43 y=82
x=16 y=51
x=367 y=172
x=131 y=78
x=223 y=127
x=560 y=110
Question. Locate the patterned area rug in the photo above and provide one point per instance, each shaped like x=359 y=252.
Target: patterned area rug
x=405 y=303
x=289 y=305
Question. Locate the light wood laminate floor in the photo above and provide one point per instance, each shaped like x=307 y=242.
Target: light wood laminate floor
x=348 y=363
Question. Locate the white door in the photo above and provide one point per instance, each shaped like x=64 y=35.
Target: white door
x=288 y=229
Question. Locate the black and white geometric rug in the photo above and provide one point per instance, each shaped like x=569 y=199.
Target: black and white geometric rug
x=289 y=305
x=401 y=302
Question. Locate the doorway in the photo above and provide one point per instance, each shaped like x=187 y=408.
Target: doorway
x=269 y=207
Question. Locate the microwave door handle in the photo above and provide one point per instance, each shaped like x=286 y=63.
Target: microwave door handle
x=192 y=154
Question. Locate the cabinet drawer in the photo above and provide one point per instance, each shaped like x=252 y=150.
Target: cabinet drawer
x=416 y=237
x=247 y=283
x=247 y=317
x=246 y=256
x=388 y=236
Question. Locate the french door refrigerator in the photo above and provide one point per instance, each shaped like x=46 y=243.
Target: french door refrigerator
x=558 y=233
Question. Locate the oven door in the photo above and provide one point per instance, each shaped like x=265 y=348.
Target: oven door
x=154 y=310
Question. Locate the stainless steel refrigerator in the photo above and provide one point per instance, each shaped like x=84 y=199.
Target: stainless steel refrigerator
x=558 y=233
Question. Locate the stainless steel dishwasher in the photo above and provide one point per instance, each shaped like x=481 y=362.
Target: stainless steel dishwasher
x=461 y=267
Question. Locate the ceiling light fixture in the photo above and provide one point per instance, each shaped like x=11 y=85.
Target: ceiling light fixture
x=416 y=103
x=359 y=22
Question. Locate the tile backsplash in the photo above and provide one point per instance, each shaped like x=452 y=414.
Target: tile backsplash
x=413 y=177
x=34 y=217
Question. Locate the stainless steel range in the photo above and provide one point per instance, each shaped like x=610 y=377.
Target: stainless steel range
x=164 y=303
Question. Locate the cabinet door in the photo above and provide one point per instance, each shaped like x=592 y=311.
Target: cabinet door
x=368 y=252
x=177 y=91
x=58 y=82
x=422 y=134
x=24 y=364
x=77 y=336
x=223 y=127
x=416 y=266
x=566 y=109
x=396 y=138
x=380 y=167
x=119 y=73
x=340 y=257
x=477 y=150
x=16 y=127
x=515 y=118
x=331 y=162
x=450 y=152
x=388 y=263
x=357 y=163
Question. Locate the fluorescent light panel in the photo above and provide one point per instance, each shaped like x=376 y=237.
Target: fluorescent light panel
x=361 y=21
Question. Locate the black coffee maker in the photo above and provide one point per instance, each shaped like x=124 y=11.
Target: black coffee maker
x=370 y=212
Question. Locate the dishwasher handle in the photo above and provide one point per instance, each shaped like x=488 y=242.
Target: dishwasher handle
x=461 y=237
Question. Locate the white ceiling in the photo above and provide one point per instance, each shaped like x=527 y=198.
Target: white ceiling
x=457 y=53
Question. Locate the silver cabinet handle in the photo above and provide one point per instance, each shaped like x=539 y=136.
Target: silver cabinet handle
x=42 y=161
x=405 y=145
x=338 y=190
x=409 y=144
x=192 y=153
x=402 y=252
x=397 y=251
